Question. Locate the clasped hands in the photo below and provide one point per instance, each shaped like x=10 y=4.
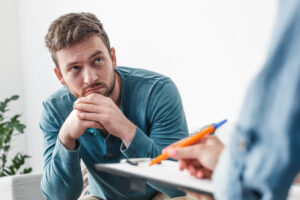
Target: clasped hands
x=97 y=111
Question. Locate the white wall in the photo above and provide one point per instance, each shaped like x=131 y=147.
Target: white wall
x=211 y=49
x=11 y=79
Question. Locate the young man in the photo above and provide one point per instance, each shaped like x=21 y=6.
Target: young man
x=263 y=158
x=103 y=114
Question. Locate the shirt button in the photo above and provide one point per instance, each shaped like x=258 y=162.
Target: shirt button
x=92 y=131
x=242 y=144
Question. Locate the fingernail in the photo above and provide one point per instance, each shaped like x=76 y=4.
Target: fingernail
x=172 y=152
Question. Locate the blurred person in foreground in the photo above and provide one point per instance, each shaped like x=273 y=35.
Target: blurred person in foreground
x=263 y=157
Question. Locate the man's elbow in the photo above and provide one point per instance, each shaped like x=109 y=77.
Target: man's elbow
x=54 y=190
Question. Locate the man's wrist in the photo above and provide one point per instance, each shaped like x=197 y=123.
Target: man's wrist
x=68 y=142
x=129 y=134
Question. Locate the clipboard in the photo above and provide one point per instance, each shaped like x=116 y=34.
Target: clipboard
x=165 y=174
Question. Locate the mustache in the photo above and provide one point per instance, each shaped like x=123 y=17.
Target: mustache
x=94 y=85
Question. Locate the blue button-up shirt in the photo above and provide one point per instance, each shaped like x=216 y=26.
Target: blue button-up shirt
x=150 y=100
x=264 y=155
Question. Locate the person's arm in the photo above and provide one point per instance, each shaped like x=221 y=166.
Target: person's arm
x=164 y=114
x=168 y=124
x=167 y=121
x=62 y=177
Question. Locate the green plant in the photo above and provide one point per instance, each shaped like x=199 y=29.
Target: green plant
x=9 y=128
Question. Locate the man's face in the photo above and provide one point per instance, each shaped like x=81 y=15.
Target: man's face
x=87 y=67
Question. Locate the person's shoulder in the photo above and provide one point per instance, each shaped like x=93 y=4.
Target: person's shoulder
x=140 y=73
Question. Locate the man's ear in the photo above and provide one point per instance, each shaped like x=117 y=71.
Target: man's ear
x=59 y=75
x=113 y=57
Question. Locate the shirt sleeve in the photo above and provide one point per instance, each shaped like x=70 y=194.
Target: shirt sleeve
x=62 y=178
x=167 y=125
x=167 y=122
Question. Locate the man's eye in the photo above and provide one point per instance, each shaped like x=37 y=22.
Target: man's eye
x=98 y=60
x=75 y=68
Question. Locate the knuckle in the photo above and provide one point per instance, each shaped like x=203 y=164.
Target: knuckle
x=213 y=138
x=80 y=115
x=108 y=101
x=181 y=152
x=105 y=120
x=92 y=97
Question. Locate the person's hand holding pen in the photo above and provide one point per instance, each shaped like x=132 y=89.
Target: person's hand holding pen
x=198 y=154
x=199 y=159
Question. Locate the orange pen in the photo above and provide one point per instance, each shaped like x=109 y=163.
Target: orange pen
x=190 y=140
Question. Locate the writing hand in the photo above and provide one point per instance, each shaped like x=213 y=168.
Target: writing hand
x=199 y=159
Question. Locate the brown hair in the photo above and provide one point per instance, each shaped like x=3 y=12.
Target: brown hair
x=73 y=28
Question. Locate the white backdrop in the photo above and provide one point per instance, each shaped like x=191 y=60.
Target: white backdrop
x=211 y=50
x=11 y=76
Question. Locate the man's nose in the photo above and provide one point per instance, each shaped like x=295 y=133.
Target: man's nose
x=89 y=75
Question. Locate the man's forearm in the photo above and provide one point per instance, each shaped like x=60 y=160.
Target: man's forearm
x=61 y=185
x=129 y=134
x=62 y=178
x=68 y=142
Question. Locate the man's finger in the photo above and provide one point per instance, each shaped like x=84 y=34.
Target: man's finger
x=89 y=116
x=84 y=107
x=93 y=124
x=190 y=152
x=93 y=98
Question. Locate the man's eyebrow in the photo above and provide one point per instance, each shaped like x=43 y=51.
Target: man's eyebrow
x=71 y=64
x=96 y=53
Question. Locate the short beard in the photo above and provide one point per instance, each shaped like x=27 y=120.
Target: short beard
x=111 y=86
x=106 y=94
